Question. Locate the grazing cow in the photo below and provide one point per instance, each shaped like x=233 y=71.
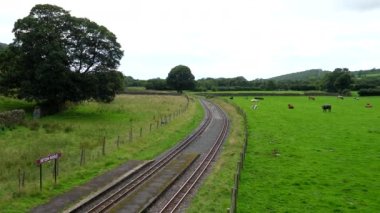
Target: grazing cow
x=254 y=100
x=259 y=98
x=255 y=106
x=290 y=106
x=368 y=105
x=312 y=98
x=340 y=97
x=326 y=107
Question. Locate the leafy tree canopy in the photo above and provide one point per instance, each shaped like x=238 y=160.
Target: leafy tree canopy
x=56 y=57
x=180 y=78
x=338 y=81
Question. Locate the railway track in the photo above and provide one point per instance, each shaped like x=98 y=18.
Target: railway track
x=108 y=198
x=174 y=202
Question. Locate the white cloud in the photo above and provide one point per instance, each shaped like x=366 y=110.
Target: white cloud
x=225 y=38
x=361 y=4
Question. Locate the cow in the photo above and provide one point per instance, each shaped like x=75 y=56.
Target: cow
x=255 y=100
x=255 y=106
x=340 y=97
x=312 y=98
x=290 y=106
x=368 y=105
x=326 y=107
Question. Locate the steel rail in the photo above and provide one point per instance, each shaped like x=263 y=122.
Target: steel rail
x=123 y=191
x=184 y=190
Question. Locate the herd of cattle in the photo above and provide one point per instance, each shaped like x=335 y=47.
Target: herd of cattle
x=325 y=107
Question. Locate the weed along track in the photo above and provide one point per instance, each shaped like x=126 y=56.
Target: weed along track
x=139 y=191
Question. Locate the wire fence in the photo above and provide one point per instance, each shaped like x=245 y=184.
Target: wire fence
x=240 y=163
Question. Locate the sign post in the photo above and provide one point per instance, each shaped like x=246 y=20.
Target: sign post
x=48 y=158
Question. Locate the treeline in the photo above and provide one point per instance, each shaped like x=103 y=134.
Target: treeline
x=340 y=81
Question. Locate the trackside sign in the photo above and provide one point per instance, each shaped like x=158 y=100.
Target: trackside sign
x=48 y=158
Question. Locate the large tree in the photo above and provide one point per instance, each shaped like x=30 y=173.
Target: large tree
x=180 y=78
x=56 y=57
x=338 y=81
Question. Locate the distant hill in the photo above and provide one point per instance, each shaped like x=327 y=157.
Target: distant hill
x=316 y=74
x=313 y=74
x=367 y=73
x=3 y=46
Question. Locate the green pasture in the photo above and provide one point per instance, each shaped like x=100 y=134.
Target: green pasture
x=85 y=126
x=306 y=160
x=261 y=92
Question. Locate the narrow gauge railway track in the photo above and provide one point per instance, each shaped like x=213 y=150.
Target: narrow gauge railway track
x=108 y=198
x=178 y=197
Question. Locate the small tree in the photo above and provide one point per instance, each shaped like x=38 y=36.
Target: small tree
x=180 y=78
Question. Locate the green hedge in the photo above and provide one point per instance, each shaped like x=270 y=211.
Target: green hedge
x=369 y=92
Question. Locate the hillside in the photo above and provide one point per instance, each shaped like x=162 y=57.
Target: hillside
x=367 y=73
x=302 y=76
x=2 y=46
x=315 y=74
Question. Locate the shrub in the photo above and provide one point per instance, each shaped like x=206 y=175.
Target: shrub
x=68 y=129
x=11 y=118
x=51 y=127
x=33 y=125
x=369 y=92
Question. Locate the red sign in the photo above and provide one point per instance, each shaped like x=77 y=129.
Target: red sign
x=48 y=158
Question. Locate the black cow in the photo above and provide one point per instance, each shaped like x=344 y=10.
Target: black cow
x=326 y=107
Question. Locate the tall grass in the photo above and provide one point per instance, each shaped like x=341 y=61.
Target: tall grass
x=304 y=160
x=85 y=126
x=215 y=193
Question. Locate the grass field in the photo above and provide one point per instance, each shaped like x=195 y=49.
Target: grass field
x=85 y=126
x=304 y=160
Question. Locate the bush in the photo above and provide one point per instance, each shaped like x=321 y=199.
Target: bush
x=33 y=125
x=11 y=118
x=369 y=92
x=51 y=127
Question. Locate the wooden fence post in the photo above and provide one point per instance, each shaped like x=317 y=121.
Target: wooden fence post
x=23 y=179
x=41 y=177
x=55 y=171
x=82 y=156
x=104 y=145
x=19 y=180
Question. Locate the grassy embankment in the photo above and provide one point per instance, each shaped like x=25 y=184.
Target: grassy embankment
x=304 y=160
x=215 y=193
x=85 y=126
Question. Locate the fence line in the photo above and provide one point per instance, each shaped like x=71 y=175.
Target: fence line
x=103 y=146
x=240 y=163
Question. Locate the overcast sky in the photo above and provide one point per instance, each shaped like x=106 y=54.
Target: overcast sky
x=228 y=38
